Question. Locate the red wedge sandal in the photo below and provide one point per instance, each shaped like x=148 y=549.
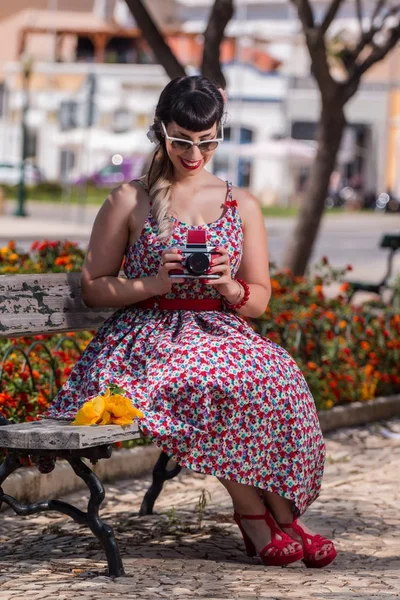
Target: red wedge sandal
x=312 y=544
x=272 y=555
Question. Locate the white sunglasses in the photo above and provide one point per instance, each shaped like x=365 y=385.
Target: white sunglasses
x=183 y=145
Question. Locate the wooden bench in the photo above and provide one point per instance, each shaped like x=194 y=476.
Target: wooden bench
x=391 y=241
x=51 y=303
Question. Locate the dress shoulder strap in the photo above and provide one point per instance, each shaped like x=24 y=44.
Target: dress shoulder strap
x=144 y=186
x=141 y=182
x=229 y=202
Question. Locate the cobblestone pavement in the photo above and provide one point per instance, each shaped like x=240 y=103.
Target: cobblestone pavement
x=185 y=551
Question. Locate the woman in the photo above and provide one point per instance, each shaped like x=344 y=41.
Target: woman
x=216 y=396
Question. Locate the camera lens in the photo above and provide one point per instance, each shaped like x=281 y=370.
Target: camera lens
x=197 y=263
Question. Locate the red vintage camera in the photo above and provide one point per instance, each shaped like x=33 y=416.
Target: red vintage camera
x=197 y=258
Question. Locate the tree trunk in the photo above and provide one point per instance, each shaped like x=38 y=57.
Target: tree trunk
x=153 y=36
x=330 y=132
x=221 y=13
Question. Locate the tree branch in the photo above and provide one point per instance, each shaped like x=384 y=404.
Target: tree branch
x=359 y=11
x=330 y=15
x=378 y=53
x=350 y=87
x=305 y=13
x=220 y=15
x=155 y=39
x=317 y=49
x=378 y=7
x=368 y=36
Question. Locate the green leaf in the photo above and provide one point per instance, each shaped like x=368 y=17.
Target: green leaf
x=115 y=389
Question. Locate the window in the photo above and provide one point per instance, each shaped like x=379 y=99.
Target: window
x=84 y=50
x=120 y=50
x=68 y=115
x=67 y=163
x=246 y=135
x=122 y=120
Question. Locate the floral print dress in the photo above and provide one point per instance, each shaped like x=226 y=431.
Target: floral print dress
x=217 y=397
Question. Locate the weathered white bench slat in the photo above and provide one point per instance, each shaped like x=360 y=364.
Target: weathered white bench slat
x=51 y=434
x=50 y=303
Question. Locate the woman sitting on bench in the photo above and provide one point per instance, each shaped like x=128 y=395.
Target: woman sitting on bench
x=216 y=396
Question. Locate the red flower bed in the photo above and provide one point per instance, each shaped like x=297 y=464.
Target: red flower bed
x=347 y=354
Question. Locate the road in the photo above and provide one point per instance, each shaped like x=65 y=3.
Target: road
x=348 y=238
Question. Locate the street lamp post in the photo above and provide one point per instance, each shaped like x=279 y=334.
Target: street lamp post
x=26 y=71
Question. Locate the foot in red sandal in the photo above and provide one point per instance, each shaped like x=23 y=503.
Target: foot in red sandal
x=318 y=551
x=280 y=551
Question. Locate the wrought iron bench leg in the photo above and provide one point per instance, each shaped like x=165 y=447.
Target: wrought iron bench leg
x=11 y=463
x=101 y=530
x=160 y=475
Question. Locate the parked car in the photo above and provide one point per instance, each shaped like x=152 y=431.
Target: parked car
x=118 y=170
x=10 y=174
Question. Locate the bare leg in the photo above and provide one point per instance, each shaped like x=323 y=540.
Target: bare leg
x=247 y=501
x=282 y=511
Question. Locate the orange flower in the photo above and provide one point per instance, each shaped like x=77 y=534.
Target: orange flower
x=276 y=286
x=312 y=366
x=61 y=260
x=330 y=315
x=369 y=369
x=364 y=345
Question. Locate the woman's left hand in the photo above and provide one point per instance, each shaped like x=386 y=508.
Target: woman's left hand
x=227 y=286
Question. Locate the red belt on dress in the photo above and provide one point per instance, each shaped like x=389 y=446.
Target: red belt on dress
x=181 y=304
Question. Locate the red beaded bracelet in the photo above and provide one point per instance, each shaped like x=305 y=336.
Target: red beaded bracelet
x=245 y=297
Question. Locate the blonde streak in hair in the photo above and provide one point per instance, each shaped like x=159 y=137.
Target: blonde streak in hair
x=161 y=197
x=160 y=183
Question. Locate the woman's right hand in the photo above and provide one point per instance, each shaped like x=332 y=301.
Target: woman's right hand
x=170 y=260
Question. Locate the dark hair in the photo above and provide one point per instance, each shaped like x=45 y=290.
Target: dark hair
x=195 y=104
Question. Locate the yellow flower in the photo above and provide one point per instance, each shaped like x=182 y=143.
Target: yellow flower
x=109 y=409
x=10 y=269
x=91 y=412
x=106 y=418
x=121 y=409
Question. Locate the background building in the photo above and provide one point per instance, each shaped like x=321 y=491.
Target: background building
x=94 y=85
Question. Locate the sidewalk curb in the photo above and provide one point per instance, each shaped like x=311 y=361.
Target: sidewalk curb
x=28 y=485
x=360 y=413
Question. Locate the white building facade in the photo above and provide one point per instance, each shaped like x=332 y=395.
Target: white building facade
x=103 y=109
